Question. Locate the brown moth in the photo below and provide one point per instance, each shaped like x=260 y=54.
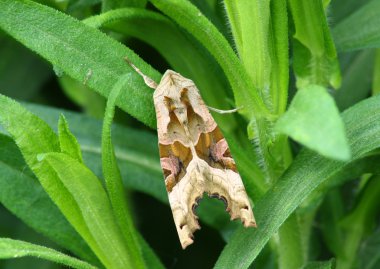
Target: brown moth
x=195 y=157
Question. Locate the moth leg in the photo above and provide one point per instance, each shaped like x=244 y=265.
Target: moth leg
x=220 y=111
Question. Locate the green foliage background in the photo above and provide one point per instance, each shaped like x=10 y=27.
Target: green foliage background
x=81 y=192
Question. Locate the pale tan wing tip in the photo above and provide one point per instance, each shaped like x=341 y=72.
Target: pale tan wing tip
x=186 y=235
x=186 y=243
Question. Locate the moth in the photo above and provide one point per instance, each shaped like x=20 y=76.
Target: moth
x=194 y=155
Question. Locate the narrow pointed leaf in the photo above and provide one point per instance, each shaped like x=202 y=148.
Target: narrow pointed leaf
x=67 y=141
x=10 y=248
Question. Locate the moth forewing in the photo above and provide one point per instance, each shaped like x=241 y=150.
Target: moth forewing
x=194 y=155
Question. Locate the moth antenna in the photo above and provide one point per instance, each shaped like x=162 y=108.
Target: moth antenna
x=220 y=111
x=148 y=81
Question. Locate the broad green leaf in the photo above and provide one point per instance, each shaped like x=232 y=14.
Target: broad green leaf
x=21 y=194
x=302 y=177
x=314 y=121
x=113 y=181
x=321 y=265
x=94 y=209
x=10 y=249
x=360 y=30
x=67 y=141
x=175 y=46
x=315 y=58
x=78 y=49
x=190 y=18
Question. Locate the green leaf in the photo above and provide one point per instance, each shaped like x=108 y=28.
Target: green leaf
x=21 y=194
x=360 y=30
x=78 y=49
x=113 y=181
x=67 y=141
x=314 y=121
x=91 y=211
x=16 y=249
x=302 y=177
x=315 y=58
